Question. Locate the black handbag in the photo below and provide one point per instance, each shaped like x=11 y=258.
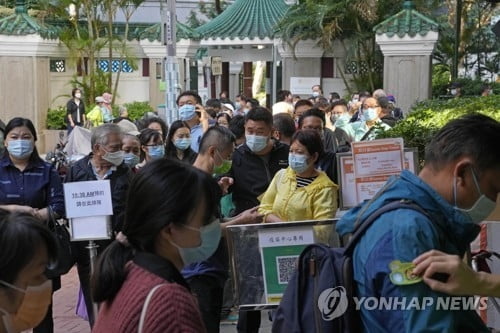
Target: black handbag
x=64 y=258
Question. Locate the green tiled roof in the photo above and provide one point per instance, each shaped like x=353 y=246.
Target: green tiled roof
x=20 y=24
x=408 y=21
x=246 y=19
x=153 y=32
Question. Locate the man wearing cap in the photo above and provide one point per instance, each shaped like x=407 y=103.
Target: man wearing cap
x=228 y=108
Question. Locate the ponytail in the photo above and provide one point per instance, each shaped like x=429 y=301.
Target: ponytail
x=110 y=272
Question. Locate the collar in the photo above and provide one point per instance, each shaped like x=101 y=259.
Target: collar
x=5 y=161
x=106 y=175
x=160 y=266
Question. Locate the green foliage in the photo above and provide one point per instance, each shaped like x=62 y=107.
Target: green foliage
x=137 y=109
x=440 y=80
x=429 y=116
x=208 y=9
x=56 y=118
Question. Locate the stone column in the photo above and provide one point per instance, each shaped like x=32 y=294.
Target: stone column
x=407 y=67
x=407 y=40
x=305 y=62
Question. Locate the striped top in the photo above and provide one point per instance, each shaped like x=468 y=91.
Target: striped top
x=304 y=181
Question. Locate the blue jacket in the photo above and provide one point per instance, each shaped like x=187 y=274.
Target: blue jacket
x=404 y=234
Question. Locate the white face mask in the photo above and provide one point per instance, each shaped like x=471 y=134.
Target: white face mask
x=483 y=206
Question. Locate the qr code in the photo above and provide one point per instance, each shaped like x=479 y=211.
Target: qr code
x=286 y=266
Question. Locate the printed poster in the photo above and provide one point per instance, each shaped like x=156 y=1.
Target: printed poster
x=280 y=250
x=374 y=162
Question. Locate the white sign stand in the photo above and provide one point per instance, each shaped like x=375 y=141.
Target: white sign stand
x=89 y=209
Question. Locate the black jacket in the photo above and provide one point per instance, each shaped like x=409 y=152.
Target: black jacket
x=119 y=182
x=72 y=109
x=252 y=175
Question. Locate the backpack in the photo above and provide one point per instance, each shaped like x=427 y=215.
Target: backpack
x=319 y=296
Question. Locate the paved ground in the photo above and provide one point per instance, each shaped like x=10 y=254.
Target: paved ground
x=66 y=321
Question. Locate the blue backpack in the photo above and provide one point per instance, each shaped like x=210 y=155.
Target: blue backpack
x=319 y=296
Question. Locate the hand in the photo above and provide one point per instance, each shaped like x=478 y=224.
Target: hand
x=203 y=113
x=462 y=279
x=225 y=183
x=22 y=209
x=251 y=216
x=41 y=214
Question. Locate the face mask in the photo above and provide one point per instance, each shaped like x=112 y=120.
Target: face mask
x=182 y=144
x=298 y=162
x=355 y=100
x=187 y=112
x=20 y=148
x=256 y=143
x=224 y=167
x=343 y=120
x=156 y=152
x=131 y=159
x=315 y=94
x=334 y=118
x=210 y=237
x=453 y=92
x=115 y=158
x=370 y=114
x=237 y=107
x=481 y=209
x=78 y=95
x=34 y=306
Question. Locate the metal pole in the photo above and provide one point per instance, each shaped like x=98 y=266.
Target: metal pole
x=93 y=260
x=458 y=23
x=171 y=66
x=274 y=76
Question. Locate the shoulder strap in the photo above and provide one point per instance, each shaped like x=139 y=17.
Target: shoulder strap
x=145 y=307
x=367 y=133
x=364 y=225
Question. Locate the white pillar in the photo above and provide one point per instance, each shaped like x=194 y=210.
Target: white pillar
x=407 y=67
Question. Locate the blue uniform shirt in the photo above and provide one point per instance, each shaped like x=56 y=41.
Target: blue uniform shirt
x=38 y=186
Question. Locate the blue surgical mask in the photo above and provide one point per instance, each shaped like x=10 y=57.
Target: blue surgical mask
x=183 y=143
x=256 y=143
x=315 y=94
x=156 y=152
x=298 y=162
x=342 y=120
x=20 y=148
x=481 y=209
x=131 y=159
x=210 y=237
x=187 y=112
x=370 y=114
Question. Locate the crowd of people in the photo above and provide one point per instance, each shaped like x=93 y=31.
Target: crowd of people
x=175 y=189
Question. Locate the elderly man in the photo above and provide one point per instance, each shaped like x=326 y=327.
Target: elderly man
x=368 y=128
x=104 y=162
x=456 y=190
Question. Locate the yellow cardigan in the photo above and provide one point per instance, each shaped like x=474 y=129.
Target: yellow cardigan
x=316 y=201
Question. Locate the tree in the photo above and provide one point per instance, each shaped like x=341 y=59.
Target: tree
x=87 y=28
x=209 y=10
x=351 y=23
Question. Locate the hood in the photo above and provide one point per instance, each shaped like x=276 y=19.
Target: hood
x=409 y=186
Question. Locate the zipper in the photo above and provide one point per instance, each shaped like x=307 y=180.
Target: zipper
x=313 y=272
